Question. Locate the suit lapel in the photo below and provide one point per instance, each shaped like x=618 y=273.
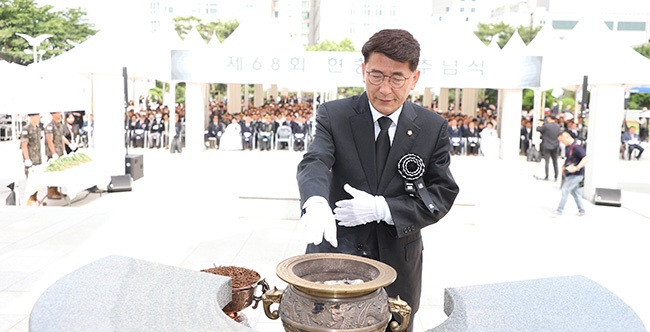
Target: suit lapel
x=406 y=133
x=363 y=131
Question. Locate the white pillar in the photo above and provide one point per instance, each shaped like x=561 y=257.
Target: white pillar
x=538 y=113
x=469 y=101
x=234 y=98
x=427 y=98
x=604 y=139
x=194 y=117
x=443 y=100
x=108 y=110
x=258 y=95
x=510 y=122
x=273 y=93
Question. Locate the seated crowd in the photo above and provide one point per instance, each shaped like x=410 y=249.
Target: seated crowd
x=285 y=124
x=288 y=124
x=473 y=135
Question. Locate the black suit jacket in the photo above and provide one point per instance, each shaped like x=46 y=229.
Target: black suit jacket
x=343 y=152
x=550 y=131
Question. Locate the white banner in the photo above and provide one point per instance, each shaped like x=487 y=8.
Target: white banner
x=314 y=70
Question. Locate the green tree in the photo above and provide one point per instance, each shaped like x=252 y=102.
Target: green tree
x=644 y=50
x=345 y=45
x=24 y=16
x=528 y=99
x=640 y=100
x=502 y=32
x=183 y=24
x=528 y=33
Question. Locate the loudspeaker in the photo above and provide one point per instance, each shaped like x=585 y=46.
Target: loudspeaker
x=134 y=166
x=611 y=197
x=120 y=183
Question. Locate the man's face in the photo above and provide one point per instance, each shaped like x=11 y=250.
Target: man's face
x=35 y=119
x=384 y=97
x=56 y=116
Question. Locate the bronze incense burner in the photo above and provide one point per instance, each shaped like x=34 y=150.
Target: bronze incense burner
x=335 y=292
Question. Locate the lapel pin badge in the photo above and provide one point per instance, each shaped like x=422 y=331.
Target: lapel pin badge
x=409 y=132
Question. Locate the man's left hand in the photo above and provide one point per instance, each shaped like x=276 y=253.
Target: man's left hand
x=361 y=209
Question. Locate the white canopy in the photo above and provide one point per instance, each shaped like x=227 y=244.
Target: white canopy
x=108 y=51
x=11 y=76
x=592 y=49
x=547 y=40
x=274 y=57
x=456 y=59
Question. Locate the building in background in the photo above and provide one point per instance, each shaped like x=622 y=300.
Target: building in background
x=314 y=21
x=630 y=19
x=162 y=12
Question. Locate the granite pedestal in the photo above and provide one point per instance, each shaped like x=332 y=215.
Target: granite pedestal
x=124 y=294
x=571 y=304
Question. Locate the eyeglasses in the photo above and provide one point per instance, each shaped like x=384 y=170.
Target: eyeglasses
x=396 y=81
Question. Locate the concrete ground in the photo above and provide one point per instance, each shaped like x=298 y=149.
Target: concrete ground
x=240 y=208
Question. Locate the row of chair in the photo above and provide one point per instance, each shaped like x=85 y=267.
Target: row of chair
x=140 y=138
x=284 y=137
x=465 y=145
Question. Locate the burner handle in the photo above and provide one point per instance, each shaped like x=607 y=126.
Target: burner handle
x=400 y=307
x=272 y=296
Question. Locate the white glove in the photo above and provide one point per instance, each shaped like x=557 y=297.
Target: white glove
x=318 y=222
x=73 y=146
x=55 y=156
x=361 y=209
x=28 y=163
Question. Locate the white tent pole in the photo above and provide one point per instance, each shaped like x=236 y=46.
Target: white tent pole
x=537 y=110
x=171 y=130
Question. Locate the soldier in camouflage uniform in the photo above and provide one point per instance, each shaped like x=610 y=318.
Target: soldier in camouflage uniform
x=30 y=144
x=265 y=134
x=55 y=143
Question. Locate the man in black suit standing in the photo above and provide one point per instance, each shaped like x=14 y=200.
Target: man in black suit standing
x=526 y=136
x=550 y=144
x=376 y=213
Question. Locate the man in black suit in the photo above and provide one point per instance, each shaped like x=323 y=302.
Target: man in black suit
x=526 y=136
x=375 y=214
x=550 y=144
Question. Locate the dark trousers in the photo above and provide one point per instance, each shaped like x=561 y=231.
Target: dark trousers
x=631 y=148
x=524 y=144
x=552 y=154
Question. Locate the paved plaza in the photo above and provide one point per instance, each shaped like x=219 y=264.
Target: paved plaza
x=240 y=208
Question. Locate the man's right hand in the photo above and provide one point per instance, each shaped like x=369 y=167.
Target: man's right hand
x=318 y=222
x=28 y=163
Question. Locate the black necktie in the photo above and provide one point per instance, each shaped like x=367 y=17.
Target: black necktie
x=382 y=145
